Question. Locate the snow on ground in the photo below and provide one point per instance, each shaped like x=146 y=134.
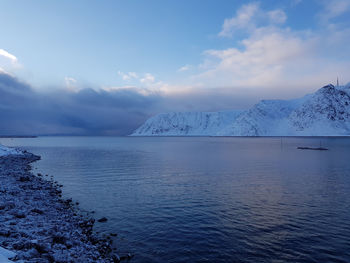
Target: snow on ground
x=8 y=151
x=5 y=255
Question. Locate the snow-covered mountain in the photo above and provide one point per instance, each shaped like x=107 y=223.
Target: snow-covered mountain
x=187 y=123
x=323 y=113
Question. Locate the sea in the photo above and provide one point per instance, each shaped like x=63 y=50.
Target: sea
x=208 y=199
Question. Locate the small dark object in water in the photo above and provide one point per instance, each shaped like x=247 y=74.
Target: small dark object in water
x=313 y=148
x=103 y=219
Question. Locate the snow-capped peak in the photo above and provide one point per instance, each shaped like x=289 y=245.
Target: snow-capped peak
x=325 y=112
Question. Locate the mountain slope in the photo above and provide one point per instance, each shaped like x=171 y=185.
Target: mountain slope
x=187 y=123
x=323 y=113
x=326 y=112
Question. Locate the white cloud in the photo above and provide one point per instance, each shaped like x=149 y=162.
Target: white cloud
x=277 y=16
x=71 y=84
x=244 y=19
x=248 y=18
x=8 y=61
x=333 y=9
x=147 y=79
x=133 y=75
x=275 y=56
x=8 y=56
x=184 y=68
x=263 y=59
x=128 y=75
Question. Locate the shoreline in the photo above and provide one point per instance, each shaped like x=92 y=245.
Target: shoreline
x=38 y=225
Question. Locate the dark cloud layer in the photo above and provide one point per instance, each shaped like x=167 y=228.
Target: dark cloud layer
x=26 y=111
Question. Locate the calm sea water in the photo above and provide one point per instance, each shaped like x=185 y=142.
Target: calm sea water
x=209 y=199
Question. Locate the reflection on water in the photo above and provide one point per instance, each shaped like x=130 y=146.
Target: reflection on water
x=209 y=199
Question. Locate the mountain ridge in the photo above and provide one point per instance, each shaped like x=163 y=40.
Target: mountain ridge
x=323 y=113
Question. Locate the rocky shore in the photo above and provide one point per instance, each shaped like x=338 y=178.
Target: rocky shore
x=38 y=225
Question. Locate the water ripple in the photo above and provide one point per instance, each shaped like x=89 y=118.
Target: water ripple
x=210 y=199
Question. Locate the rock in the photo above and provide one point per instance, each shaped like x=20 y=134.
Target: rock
x=63 y=234
x=59 y=239
x=68 y=201
x=24 y=179
x=5 y=233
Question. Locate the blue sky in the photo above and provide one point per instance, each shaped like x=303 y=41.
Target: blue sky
x=194 y=55
x=91 y=41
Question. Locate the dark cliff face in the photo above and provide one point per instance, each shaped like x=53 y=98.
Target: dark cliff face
x=328 y=104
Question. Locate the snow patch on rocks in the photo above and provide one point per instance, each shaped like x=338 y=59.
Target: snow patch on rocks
x=9 y=151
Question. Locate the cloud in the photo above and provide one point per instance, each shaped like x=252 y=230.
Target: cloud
x=147 y=79
x=184 y=68
x=71 y=84
x=248 y=17
x=7 y=55
x=244 y=19
x=107 y=111
x=24 y=110
x=333 y=9
x=295 y=2
x=8 y=61
x=274 y=55
x=277 y=16
x=261 y=61
x=128 y=75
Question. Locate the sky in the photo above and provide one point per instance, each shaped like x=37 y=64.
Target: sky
x=104 y=67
